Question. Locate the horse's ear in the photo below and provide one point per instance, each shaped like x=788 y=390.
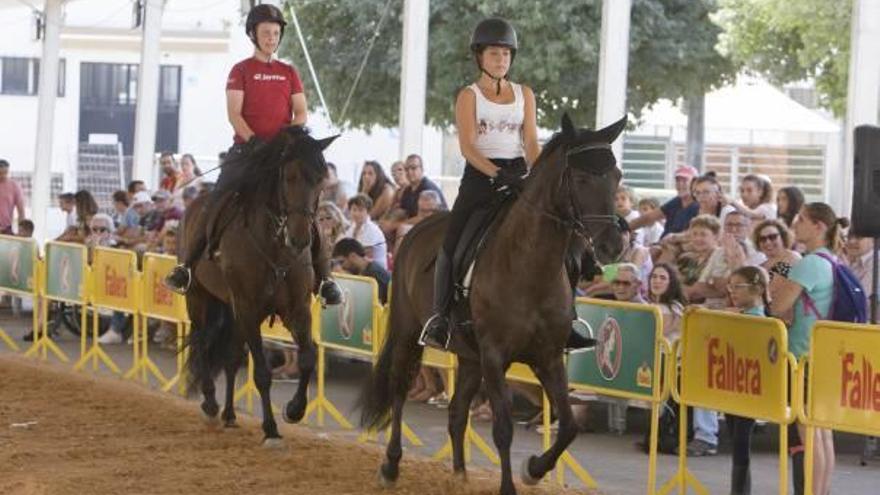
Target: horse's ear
x=324 y=143
x=610 y=133
x=568 y=129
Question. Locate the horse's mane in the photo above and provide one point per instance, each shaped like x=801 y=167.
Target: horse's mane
x=256 y=174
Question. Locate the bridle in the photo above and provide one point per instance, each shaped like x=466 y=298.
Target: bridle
x=279 y=219
x=574 y=221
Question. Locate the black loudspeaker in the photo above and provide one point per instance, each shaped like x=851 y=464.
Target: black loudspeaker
x=866 y=185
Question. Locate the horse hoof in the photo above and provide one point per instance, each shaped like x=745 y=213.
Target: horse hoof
x=210 y=421
x=293 y=412
x=273 y=443
x=385 y=482
x=230 y=423
x=527 y=477
x=459 y=476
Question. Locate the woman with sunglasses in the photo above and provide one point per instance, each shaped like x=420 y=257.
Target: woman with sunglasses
x=773 y=238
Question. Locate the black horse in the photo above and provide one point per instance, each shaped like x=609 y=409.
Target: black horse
x=520 y=301
x=263 y=267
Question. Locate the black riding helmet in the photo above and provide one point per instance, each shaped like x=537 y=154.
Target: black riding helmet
x=263 y=13
x=493 y=32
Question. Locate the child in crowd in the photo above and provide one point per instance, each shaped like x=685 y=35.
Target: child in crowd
x=748 y=288
x=365 y=231
x=756 y=198
x=625 y=206
x=651 y=233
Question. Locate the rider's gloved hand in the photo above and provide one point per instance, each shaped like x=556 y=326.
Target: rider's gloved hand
x=508 y=180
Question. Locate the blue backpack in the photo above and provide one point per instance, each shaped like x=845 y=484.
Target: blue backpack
x=849 y=302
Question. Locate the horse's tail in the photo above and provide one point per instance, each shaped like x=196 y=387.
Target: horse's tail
x=208 y=343
x=398 y=364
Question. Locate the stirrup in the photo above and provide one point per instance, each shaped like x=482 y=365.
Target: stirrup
x=424 y=341
x=174 y=288
x=590 y=342
x=337 y=297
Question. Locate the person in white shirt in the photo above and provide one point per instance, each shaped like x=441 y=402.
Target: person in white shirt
x=653 y=232
x=756 y=198
x=365 y=231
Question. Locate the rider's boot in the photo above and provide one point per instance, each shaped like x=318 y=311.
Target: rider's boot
x=436 y=332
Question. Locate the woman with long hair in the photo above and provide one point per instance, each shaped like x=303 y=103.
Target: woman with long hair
x=789 y=201
x=375 y=184
x=665 y=291
x=809 y=290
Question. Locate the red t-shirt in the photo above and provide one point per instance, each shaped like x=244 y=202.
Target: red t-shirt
x=267 y=90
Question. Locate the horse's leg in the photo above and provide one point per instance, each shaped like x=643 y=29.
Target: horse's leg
x=209 y=405
x=467 y=384
x=390 y=469
x=231 y=370
x=250 y=326
x=301 y=324
x=554 y=379
x=493 y=367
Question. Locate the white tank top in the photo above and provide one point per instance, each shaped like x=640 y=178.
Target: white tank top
x=499 y=127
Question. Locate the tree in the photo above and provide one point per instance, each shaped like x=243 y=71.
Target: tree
x=792 y=40
x=672 y=54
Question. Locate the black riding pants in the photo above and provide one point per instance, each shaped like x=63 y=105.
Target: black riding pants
x=475 y=192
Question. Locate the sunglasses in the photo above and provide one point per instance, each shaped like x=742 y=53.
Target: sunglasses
x=622 y=283
x=100 y=229
x=768 y=237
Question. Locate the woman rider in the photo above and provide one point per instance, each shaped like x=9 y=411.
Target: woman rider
x=498 y=136
x=263 y=96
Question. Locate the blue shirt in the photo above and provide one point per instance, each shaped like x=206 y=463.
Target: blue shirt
x=816 y=276
x=678 y=217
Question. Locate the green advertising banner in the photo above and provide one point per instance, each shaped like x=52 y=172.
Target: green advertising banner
x=350 y=324
x=65 y=272
x=623 y=359
x=17 y=264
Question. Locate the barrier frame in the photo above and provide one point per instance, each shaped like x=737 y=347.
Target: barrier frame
x=660 y=389
x=95 y=352
x=33 y=294
x=143 y=362
x=805 y=412
x=684 y=478
x=45 y=342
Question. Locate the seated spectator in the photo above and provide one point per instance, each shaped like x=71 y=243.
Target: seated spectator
x=398 y=175
x=120 y=207
x=331 y=221
x=625 y=201
x=653 y=231
x=756 y=198
x=703 y=236
x=375 y=184
x=632 y=253
x=429 y=203
x=415 y=175
x=789 y=201
x=189 y=170
x=101 y=232
x=859 y=256
x=190 y=177
x=774 y=240
x=733 y=252
x=664 y=291
x=132 y=230
x=351 y=256
x=678 y=211
x=334 y=189
x=366 y=231
x=135 y=187
x=627 y=287
x=170 y=172
x=85 y=207
x=163 y=209
x=67 y=203
x=25 y=228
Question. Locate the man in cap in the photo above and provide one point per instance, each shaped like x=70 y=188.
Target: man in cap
x=679 y=210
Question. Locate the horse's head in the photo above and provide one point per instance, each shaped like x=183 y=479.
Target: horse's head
x=301 y=176
x=582 y=178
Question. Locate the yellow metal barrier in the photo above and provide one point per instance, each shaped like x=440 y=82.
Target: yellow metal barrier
x=735 y=364
x=159 y=303
x=627 y=363
x=19 y=275
x=844 y=384
x=64 y=277
x=114 y=285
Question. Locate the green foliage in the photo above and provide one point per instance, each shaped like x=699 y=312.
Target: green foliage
x=672 y=54
x=792 y=40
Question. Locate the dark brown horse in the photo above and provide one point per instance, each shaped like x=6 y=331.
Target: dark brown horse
x=520 y=302
x=262 y=267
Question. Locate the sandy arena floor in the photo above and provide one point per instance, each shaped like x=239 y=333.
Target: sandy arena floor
x=95 y=436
